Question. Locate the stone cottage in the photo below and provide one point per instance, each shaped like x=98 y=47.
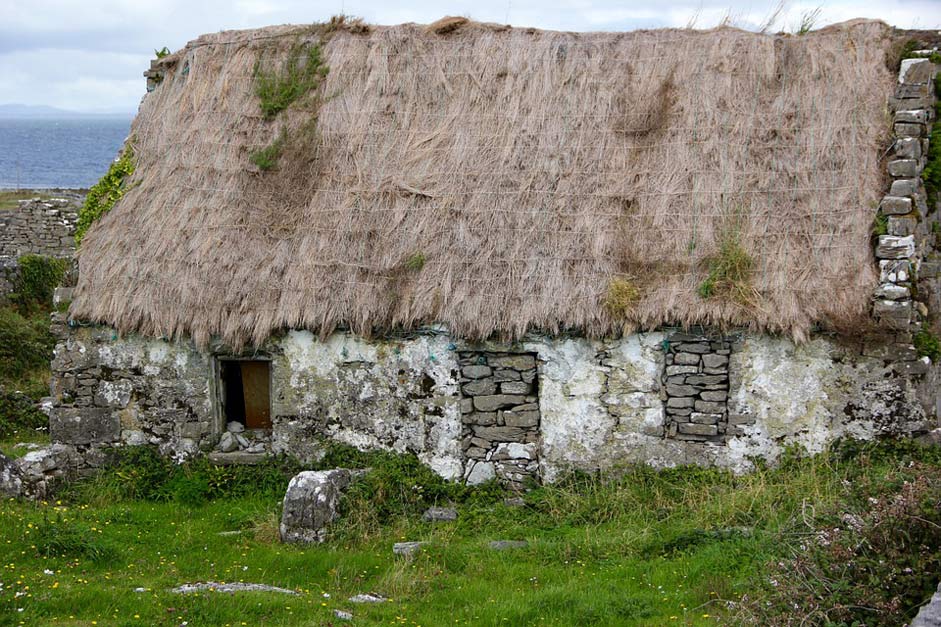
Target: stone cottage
x=513 y=252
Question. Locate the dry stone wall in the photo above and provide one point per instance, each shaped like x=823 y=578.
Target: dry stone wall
x=907 y=251
x=696 y=386
x=38 y=227
x=500 y=416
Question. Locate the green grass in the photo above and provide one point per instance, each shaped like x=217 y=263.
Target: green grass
x=279 y=87
x=651 y=548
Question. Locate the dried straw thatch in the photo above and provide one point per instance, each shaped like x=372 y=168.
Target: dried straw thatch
x=498 y=181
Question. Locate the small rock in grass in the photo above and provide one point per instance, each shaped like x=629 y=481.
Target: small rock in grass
x=502 y=545
x=515 y=501
x=230 y=588
x=342 y=615
x=408 y=549
x=439 y=514
x=367 y=598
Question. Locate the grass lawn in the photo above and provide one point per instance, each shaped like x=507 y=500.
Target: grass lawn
x=651 y=548
x=9 y=198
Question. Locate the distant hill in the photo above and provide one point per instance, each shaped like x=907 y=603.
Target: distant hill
x=24 y=112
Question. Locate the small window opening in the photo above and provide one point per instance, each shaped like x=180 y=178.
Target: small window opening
x=246 y=393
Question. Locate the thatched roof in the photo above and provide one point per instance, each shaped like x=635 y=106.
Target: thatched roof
x=499 y=181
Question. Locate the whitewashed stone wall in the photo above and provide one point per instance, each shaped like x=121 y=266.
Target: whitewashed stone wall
x=601 y=403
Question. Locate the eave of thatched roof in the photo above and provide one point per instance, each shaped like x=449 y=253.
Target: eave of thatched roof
x=499 y=180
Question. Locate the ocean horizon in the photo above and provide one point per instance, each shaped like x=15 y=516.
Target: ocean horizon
x=59 y=153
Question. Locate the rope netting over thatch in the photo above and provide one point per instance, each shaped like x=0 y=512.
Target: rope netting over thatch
x=498 y=181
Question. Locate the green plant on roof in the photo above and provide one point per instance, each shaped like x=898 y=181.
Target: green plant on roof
x=730 y=272
x=103 y=194
x=621 y=297
x=301 y=72
x=415 y=261
x=163 y=52
x=266 y=158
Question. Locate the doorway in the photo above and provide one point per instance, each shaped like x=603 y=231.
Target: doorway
x=246 y=392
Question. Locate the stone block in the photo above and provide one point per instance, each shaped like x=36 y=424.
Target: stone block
x=514 y=362
x=895 y=271
x=481 y=387
x=680 y=390
x=905 y=167
x=689 y=347
x=500 y=434
x=698 y=429
x=679 y=411
x=891 y=291
x=909 y=130
x=497 y=401
x=311 y=503
x=686 y=359
x=710 y=407
x=476 y=371
x=892 y=247
x=719 y=396
x=893 y=314
x=914 y=116
x=908 y=148
x=680 y=402
x=896 y=205
x=84 y=425
x=503 y=375
x=714 y=361
x=901 y=226
x=480 y=472
x=515 y=387
x=703 y=379
x=906 y=187
x=520 y=418
x=679 y=370
x=700 y=418
x=483 y=418
x=514 y=450
x=915 y=72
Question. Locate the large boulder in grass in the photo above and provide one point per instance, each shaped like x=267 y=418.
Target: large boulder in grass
x=310 y=504
x=11 y=482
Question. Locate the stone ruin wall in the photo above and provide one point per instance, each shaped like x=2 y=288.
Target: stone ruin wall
x=36 y=227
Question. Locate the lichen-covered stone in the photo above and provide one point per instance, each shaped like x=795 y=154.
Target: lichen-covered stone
x=84 y=425
x=310 y=504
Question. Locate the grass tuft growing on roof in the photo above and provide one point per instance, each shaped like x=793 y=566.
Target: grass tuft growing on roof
x=730 y=272
x=621 y=296
x=301 y=72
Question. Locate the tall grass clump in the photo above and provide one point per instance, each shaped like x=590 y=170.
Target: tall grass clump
x=37 y=279
x=301 y=72
x=621 y=297
x=730 y=272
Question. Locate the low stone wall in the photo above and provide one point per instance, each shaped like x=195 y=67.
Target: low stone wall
x=39 y=227
x=36 y=227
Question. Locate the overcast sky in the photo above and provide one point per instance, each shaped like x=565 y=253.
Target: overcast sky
x=88 y=55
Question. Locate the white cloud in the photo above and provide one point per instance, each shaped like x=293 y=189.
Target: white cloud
x=90 y=55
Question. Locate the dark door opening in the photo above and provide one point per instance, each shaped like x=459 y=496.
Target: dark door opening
x=246 y=393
